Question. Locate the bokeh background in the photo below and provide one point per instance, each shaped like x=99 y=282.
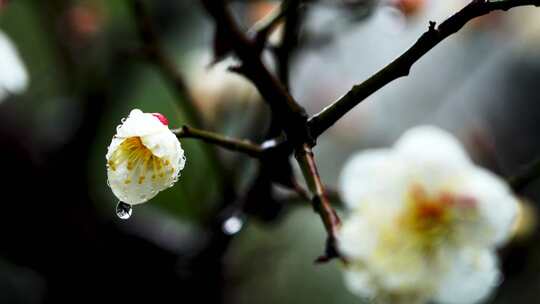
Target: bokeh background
x=60 y=239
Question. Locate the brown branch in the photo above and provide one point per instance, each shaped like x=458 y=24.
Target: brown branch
x=320 y=201
x=304 y=155
x=243 y=146
x=292 y=115
x=285 y=111
x=401 y=66
x=289 y=42
x=299 y=196
x=264 y=27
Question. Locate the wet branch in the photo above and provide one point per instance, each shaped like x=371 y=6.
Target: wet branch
x=292 y=115
x=401 y=66
x=320 y=201
x=317 y=194
x=287 y=114
x=289 y=42
x=238 y=145
x=263 y=28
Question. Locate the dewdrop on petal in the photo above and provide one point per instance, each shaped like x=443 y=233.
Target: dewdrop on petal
x=143 y=158
x=424 y=222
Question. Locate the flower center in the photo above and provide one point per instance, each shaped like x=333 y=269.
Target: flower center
x=140 y=162
x=431 y=219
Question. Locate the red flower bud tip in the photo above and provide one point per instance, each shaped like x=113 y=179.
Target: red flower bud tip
x=409 y=7
x=161 y=118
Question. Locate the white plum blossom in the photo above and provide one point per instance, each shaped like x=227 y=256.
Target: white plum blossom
x=13 y=74
x=424 y=222
x=215 y=89
x=143 y=158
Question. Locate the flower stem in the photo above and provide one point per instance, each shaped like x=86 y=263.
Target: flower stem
x=239 y=145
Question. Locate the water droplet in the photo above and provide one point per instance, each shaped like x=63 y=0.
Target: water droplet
x=232 y=225
x=123 y=210
x=269 y=144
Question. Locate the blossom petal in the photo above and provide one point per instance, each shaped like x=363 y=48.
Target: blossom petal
x=400 y=266
x=471 y=278
x=373 y=177
x=140 y=124
x=496 y=204
x=359 y=282
x=135 y=179
x=13 y=74
x=162 y=143
x=429 y=144
x=115 y=143
x=357 y=238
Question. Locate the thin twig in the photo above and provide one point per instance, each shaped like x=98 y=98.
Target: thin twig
x=299 y=196
x=289 y=41
x=401 y=66
x=238 y=145
x=320 y=201
x=264 y=27
x=282 y=104
x=304 y=155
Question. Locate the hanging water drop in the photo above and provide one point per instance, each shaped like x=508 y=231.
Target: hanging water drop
x=123 y=210
x=232 y=225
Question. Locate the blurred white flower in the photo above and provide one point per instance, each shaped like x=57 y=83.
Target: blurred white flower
x=13 y=75
x=215 y=88
x=144 y=158
x=424 y=222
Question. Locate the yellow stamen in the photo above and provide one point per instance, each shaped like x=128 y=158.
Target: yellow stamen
x=137 y=158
